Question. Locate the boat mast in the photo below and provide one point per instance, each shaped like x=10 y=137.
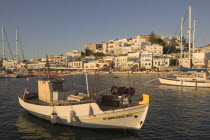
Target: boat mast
x=189 y=35
x=181 y=39
x=194 y=36
x=3 y=50
x=48 y=69
x=17 y=44
x=87 y=85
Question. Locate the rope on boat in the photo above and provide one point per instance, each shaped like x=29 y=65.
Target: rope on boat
x=150 y=81
x=104 y=91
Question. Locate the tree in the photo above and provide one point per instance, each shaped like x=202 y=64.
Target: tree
x=99 y=54
x=155 y=40
x=152 y=37
x=134 y=68
x=169 y=49
x=204 y=66
x=154 y=68
x=88 y=52
x=174 y=62
x=112 y=66
x=82 y=54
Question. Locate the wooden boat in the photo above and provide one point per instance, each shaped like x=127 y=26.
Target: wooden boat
x=113 y=110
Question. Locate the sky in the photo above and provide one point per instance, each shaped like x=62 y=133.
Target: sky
x=54 y=27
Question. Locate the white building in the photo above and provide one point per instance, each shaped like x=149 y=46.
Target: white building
x=91 y=65
x=156 y=49
x=58 y=60
x=110 y=48
x=74 y=55
x=200 y=59
x=161 y=63
x=123 y=63
x=10 y=64
x=103 y=64
x=134 y=55
x=146 y=60
x=36 y=66
x=185 y=62
x=76 y=64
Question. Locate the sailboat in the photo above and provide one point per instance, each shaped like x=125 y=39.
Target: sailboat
x=13 y=73
x=188 y=77
x=111 y=109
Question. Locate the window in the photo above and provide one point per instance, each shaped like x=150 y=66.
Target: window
x=57 y=85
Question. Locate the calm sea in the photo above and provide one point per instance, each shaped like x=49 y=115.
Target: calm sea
x=174 y=113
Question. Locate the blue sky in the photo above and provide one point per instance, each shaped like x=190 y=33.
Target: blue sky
x=54 y=27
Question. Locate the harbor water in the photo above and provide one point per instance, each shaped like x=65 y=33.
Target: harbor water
x=175 y=112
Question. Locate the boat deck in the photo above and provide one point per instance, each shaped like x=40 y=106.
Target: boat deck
x=103 y=105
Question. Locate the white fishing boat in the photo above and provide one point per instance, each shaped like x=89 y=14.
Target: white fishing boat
x=114 y=110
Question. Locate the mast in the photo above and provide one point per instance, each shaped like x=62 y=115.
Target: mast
x=48 y=69
x=19 y=41
x=181 y=38
x=17 y=44
x=189 y=35
x=3 y=49
x=128 y=83
x=194 y=36
x=87 y=85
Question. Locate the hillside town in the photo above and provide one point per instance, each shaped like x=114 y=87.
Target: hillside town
x=139 y=53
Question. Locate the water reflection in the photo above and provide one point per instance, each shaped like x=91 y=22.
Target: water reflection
x=32 y=127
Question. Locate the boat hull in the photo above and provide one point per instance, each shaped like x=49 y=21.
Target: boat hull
x=180 y=82
x=90 y=116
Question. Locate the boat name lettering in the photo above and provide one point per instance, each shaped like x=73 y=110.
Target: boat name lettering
x=117 y=117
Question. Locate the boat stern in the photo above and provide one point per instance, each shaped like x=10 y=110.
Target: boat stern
x=146 y=99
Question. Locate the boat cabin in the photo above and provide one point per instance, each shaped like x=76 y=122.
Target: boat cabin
x=51 y=90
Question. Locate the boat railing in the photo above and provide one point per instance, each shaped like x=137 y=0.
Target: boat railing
x=56 y=103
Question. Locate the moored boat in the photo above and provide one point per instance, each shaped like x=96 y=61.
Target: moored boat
x=114 y=110
x=193 y=79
